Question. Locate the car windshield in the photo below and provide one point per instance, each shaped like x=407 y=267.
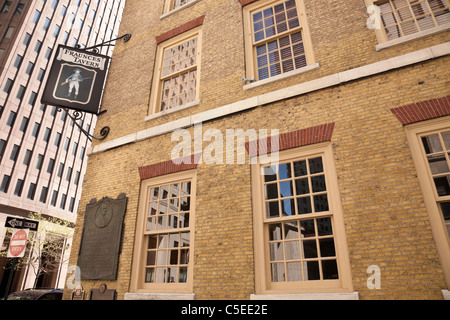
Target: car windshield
x=26 y=295
x=36 y=294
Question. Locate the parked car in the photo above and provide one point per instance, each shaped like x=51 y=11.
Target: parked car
x=37 y=294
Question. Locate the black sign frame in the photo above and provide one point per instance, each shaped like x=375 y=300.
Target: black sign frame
x=76 y=79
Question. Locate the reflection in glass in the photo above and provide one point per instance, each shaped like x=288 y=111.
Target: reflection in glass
x=271 y=191
x=270 y=174
x=431 y=144
x=309 y=249
x=284 y=171
x=294 y=271
x=286 y=189
x=329 y=269
x=446 y=138
x=304 y=205
x=277 y=272
x=327 y=247
x=276 y=251
x=291 y=230
x=318 y=183
x=275 y=231
x=320 y=203
x=438 y=164
x=302 y=186
x=292 y=250
x=312 y=268
x=300 y=168
x=442 y=185
x=315 y=165
x=288 y=207
x=272 y=209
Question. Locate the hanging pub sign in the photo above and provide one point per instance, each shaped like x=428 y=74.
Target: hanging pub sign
x=76 y=79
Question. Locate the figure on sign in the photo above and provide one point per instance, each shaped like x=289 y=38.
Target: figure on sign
x=74 y=82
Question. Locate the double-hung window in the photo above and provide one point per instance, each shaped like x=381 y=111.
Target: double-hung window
x=172 y=5
x=299 y=234
x=430 y=146
x=408 y=19
x=176 y=81
x=164 y=236
x=277 y=40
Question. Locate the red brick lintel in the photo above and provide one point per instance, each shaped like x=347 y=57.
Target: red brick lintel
x=424 y=110
x=180 y=29
x=246 y=2
x=171 y=166
x=292 y=139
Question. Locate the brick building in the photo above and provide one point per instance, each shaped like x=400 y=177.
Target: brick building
x=354 y=96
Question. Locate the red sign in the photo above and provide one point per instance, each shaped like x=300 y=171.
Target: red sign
x=18 y=243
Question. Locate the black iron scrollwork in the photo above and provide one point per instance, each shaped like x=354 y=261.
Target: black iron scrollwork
x=77 y=115
x=108 y=43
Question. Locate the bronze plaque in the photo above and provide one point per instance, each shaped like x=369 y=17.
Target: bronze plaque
x=78 y=293
x=108 y=294
x=101 y=239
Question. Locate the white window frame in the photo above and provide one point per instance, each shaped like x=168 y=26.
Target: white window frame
x=414 y=132
x=155 y=100
x=263 y=283
x=138 y=284
x=382 y=39
x=250 y=47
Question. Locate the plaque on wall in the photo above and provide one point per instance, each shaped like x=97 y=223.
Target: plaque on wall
x=102 y=293
x=78 y=293
x=101 y=239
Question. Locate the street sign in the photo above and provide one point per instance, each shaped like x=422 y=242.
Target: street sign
x=18 y=243
x=18 y=223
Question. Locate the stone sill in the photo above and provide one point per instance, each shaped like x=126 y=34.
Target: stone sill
x=158 y=296
x=169 y=111
x=281 y=76
x=308 y=296
x=412 y=37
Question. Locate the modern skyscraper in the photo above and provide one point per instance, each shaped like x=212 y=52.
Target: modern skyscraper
x=42 y=149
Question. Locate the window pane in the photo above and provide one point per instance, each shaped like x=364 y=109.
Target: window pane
x=291 y=230
x=442 y=185
x=275 y=231
x=288 y=207
x=272 y=209
x=271 y=191
x=277 y=272
x=294 y=270
x=438 y=164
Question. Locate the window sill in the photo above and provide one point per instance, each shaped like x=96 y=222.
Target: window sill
x=165 y=15
x=169 y=111
x=159 y=296
x=282 y=76
x=412 y=37
x=446 y=294
x=307 y=296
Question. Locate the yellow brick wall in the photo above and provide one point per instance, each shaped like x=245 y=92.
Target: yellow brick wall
x=386 y=222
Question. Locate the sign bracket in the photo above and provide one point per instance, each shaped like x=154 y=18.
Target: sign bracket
x=77 y=115
x=125 y=38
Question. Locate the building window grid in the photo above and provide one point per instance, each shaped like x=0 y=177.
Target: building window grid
x=298 y=222
x=436 y=148
x=277 y=39
x=179 y=74
x=401 y=17
x=168 y=233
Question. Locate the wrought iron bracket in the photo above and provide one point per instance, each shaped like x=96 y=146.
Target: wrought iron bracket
x=77 y=115
x=125 y=38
